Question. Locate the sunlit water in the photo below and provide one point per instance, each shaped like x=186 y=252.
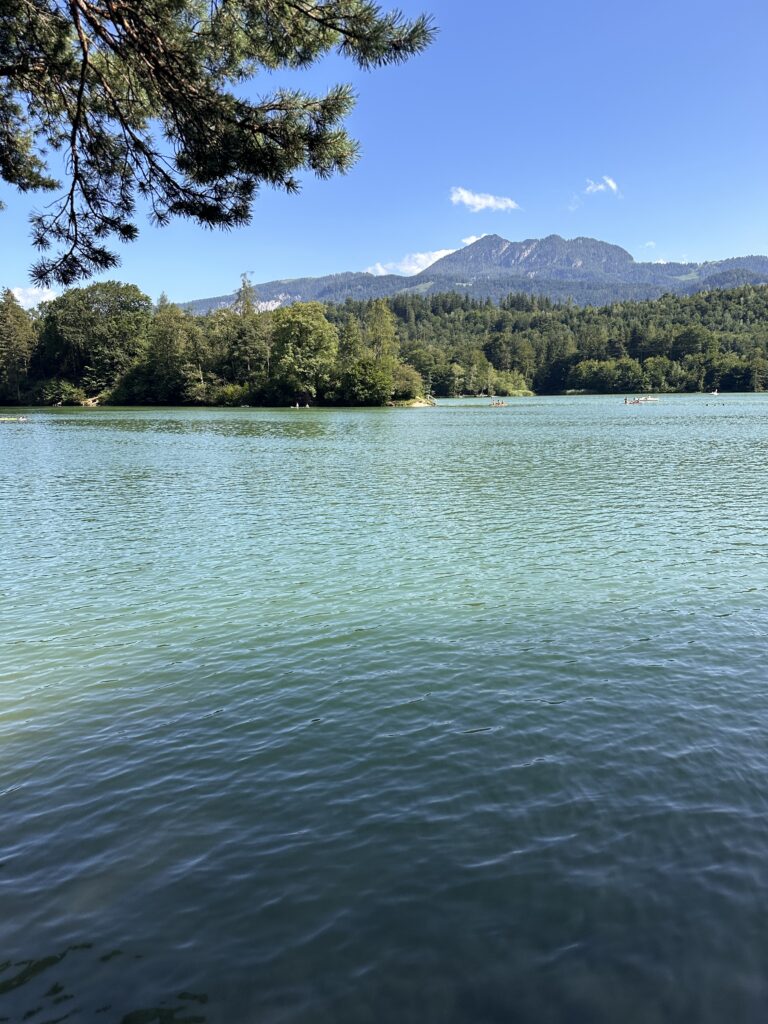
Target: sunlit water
x=416 y=716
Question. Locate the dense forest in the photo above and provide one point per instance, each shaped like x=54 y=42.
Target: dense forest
x=583 y=271
x=107 y=343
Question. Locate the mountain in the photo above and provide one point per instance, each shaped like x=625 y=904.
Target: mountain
x=583 y=270
x=332 y=288
x=552 y=256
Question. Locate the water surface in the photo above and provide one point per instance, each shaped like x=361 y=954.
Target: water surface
x=444 y=715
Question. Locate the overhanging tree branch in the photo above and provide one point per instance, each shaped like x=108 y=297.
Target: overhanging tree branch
x=138 y=97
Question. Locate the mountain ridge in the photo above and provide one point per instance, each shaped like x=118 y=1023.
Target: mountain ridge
x=586 y=271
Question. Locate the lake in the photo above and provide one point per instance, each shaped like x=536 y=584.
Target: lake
x=423 y=716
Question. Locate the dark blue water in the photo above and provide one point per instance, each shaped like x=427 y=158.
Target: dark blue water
x=444 y=715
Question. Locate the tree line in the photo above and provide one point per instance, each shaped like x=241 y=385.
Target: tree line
x=673 y=343
x=108 y=343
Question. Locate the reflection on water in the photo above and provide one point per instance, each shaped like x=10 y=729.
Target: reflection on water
x=433 y=716
x=292 y=423
x=69 y=985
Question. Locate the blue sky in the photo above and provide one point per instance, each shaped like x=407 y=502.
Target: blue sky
x=643 y=124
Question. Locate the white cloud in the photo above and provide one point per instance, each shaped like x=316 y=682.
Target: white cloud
x=415 y=262
x=411 y=263
x=29 y=297
x=649 y=245
x=606 y=185
x=660 y=261
x=477 y=201
x=378 y=269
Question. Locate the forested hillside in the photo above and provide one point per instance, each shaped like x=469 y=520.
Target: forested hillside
x=107 y=343
x=585 y=271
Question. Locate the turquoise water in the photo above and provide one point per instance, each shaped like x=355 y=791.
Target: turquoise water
x=348 y=717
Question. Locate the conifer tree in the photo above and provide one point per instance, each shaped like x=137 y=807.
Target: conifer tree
x=127 y=99
x=17 y=339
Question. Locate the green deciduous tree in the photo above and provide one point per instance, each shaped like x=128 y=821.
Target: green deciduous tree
x=144 y=98
x=251 y=341
x=350 y=342
x=690 y=341
x=304 y=347
x=364 y=382
x=169 y=355
x=454 y=380
x=510 y=382
x=661 y=374
x=92 y=336
x=380 y=331
x=407 y=383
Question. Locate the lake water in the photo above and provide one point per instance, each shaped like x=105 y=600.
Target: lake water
x=441 y=716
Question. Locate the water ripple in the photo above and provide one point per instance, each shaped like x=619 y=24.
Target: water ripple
x=430 y=715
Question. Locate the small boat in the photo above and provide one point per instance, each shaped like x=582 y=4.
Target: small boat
x=13 y=419
x=715 y=393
